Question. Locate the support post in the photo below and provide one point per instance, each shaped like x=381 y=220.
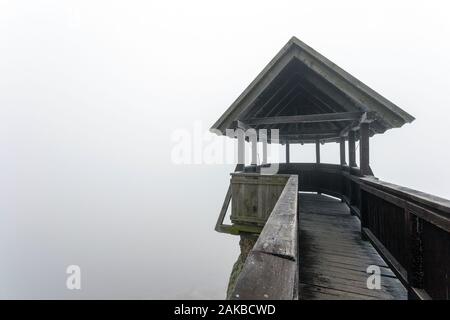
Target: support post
x=415 y=268
x=264 y=152
x=364 y=149
x=342 y=150
x=287 y=153
x=263 y=139
x=240 y=134
x=351 y=149
x=254 y=153
x=317 y=151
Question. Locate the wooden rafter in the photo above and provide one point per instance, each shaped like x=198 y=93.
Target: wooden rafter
x=310 y=118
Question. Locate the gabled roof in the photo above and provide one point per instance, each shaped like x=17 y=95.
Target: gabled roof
x=309 y=98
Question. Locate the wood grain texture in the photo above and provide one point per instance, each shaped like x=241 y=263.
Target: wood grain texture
x=271 y=268
x=279 y=236
x=266 y=277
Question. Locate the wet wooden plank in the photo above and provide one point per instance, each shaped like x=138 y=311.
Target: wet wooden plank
x=279 y=236
x=333 y=259
x=266 y=277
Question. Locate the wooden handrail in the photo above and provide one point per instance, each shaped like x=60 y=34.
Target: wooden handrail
x=270 y=271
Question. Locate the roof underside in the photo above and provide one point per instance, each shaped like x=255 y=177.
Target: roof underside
x=308 y=98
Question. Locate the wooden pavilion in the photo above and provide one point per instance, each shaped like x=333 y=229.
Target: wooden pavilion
x=315 y=229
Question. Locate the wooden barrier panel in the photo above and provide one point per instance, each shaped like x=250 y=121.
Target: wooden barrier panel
x=253 y=197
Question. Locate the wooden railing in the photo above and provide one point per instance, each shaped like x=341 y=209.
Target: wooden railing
x=271 y=268
x=410 y=229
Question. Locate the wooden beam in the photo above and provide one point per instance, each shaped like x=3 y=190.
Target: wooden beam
x=308 y=138
x=329 y=90
x=316 y=135
x=364 y=149
x=264 y=152
x=238 y=124
x=351 y=149
x=280 y=102
x=254 y=152
x=342 y=150
x=240 y=134
x=274 y=96
x=317 y=99
x=309 y=118
x=224 y=209
x=317 y=151
x=366 y=117
x=287 y=153
x=263 y=138
x=350 y=127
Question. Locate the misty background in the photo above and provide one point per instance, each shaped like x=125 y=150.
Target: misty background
x=91 y=92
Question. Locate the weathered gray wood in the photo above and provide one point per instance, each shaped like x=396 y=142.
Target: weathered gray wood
x=279 y=236
x=310 y=118
x=288 y=153
x=364 y=149
x=270 y=271
x=235 y=228
x=437 y=218
x=317 y=151
x=395 y=265
x=342 y=151
x=343 y=83
x=351 y=149
x=254 y=153
x=264 y=147
x=238 y=124
x=415 y=266
x=309 y=135
x=331 y=237
x=427 y=199
x=333 y=258
x=266 y=277
x=240 y=134
x=254 y=196
x=223 y=211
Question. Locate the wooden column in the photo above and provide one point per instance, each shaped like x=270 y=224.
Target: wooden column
x=317 y=151
x=263 y=138
x=241 y=149
x=287 y=153
x=415 y=265
x=342 y=150
x=264 y=152
x=351 y=149
x=254 y=152
x=364 y=148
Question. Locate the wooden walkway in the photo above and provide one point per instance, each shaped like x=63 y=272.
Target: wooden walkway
x=333 y=258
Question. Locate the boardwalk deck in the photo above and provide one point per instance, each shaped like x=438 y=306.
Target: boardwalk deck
x=333 y=258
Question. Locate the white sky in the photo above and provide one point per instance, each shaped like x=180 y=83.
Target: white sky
x=90 y=92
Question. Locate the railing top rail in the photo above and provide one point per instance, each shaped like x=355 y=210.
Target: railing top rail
x=406 y=193
x=270 y=270
x=278 y=236
x=416 y=196
x=257 y=174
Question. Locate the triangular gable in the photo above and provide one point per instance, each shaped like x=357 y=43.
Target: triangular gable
x=299 y=82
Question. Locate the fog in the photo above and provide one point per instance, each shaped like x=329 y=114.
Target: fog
x=92 y=91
